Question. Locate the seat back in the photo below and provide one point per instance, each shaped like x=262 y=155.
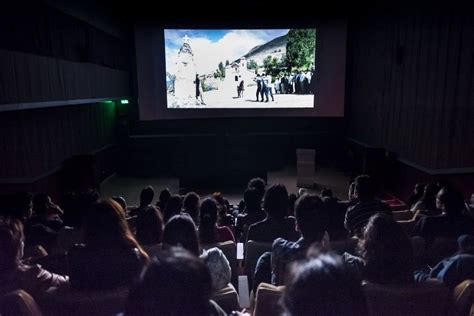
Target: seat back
x=430 y=298
x=267 y=300
x=227 y=298
x=253 y=251
x=104 y=302
x=463 y=298
x=19 y=302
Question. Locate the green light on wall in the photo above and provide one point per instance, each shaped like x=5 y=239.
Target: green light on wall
x=124 y=101
x=108 y=102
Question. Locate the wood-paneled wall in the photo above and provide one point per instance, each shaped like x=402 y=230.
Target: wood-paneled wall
x=34 y=142
x=411 y=87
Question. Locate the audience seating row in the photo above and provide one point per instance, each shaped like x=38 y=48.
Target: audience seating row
x=430 y=298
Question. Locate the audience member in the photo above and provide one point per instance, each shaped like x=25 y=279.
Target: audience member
x=163 y=199
x=253 y=213
x=324 y=286
x=111 y=257
x=451 y=223
x=453 y=270
x=209 y=232
x=173 y=207
x=191 y=205
x=336 y=211
x=416 y=195
x=358 y=214
x=181 y=231
x=18 y=206
x=75 y=204
x=224 y=217
x=259 y=184
x=175 y=283
x=149 y=226
x=291 y=204
x=386 y=252
x=46 y=212
x=312 y=222
x=146 y=197
x=16 y=275
x=277 y=223
x=43 y=228
x=426 y=205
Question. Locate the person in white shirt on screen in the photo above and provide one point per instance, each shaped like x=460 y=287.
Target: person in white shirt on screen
x=268 y=87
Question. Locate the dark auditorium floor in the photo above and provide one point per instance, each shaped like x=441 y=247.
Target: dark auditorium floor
x=130 y=187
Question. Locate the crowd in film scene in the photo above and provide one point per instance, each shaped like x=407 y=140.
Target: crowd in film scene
x=304 y=254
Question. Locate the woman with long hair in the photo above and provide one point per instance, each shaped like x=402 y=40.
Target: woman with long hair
x=110 y=257
x=180 y=231
x=386 y=252
x=209 y=232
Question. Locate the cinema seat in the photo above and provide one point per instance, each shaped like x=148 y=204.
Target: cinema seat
x=227 y=298
x=253 y=251
x=419 y=299
x=267 y=300
x=463 y=299
x=73 y=302
x=19 y=302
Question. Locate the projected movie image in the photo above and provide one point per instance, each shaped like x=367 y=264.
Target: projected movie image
x=210 y=69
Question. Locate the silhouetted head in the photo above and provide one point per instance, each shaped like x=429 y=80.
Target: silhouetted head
x=121 y=200
x=173 y=207
x=324 y=286
x=164 y=197
x=419 y=188
x=386 y=250
x=311 y=217
x=208 y=220
x=219 y=198
x=149 y=226
x=276 y=201
x=252 y=200
x=259 y=184
x=181 y=231
x=364 y=187
x=429 y=196
x=41 y=204
x=146 y=196
x=105 y=226
x=291 y=203
x=450 y=201
x=18 y=206
x=191 y=205
x=174 y=283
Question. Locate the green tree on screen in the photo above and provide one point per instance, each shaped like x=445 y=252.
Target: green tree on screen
x=300 y=48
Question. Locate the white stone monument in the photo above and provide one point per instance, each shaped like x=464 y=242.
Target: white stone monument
x=184 y=87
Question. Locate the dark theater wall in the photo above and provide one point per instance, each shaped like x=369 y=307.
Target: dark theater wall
x=411 y=85
x=55 y=70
